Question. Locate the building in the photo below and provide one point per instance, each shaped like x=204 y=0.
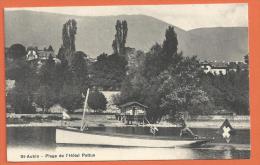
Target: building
x=36 y=58
x=33 y=53
x=215 y=68
x=236 y=66
x=218 y=68
x=45 y=54
x=132 y=112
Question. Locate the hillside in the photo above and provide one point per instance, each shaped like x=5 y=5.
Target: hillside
x=227 y=43
x=95 y=34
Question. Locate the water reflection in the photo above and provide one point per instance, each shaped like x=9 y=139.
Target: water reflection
x=41 y=141
x=228 y=154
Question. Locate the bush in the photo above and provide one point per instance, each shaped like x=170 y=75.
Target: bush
x=97 y=101
x=71 y=102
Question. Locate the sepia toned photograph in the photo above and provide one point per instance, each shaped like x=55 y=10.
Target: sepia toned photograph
x=130 y=82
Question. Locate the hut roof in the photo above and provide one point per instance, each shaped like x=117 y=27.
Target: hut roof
x=133 y=103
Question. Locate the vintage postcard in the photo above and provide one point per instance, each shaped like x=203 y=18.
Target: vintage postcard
x=129 y=82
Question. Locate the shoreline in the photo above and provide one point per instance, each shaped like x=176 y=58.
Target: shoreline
x=55 y=120
x=191 y=124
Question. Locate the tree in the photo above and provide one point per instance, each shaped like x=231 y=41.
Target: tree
x=114 y=46
x=97 y=101
x=160 y=58
x=144 y=85
x=47 y=71
x=170 y=44
x=153 y=62
x=73 y=69
x=71 y=102
x=102 y=57
x=45 y=98
x=228 y=92
x=68 y=35
x=62 y=56
x=119 y=42
x=17 y=51
x=71 y=77
x=21 y=100
x=118 y=36
x=79 y=69
x=26 y=80
x=180 y=87
x=124 y=35
x=170 y=55
x=49 y=90
x=108 y=72
x=183 y=99
x=78 y=64
x=71 y=98
x=135 y=62
x=26 y=83
x=74 y=83
x=50 y=48
x=68 y=47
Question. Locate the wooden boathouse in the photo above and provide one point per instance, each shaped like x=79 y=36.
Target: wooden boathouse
x=132 y=112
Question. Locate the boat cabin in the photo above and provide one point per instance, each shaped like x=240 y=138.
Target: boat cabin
x=132 y=112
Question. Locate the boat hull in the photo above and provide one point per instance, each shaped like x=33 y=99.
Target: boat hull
x=67 y=136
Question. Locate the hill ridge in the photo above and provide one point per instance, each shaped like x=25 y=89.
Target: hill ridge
x=95 y=34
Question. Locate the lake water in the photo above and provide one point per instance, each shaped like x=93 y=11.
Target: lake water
x=38 y=143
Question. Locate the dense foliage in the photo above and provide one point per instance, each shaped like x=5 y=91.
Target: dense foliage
x=229 y=92
x=167 y=82
x=16 y=51
x=26 y=83
x=119 y=42
x=108 y=72
x=97 y=101
x=147 y=84
x=163 y=78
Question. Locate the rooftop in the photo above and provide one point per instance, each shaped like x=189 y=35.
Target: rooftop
x=133 y=103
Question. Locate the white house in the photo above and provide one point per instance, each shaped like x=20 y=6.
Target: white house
x=215 y=68
x=31 y=55
x=35 y=54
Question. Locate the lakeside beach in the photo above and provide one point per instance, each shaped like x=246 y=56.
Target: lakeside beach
x=22 y=140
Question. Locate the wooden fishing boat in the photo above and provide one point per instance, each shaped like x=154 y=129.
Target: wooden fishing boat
x=82 y=136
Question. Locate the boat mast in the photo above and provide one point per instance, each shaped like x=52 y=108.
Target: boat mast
x=83 y=123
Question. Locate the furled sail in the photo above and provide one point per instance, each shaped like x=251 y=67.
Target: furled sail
x=83 y=122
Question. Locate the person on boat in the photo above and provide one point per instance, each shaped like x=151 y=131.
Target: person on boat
x=185 y=130
x=65 y=117
x=154 y=130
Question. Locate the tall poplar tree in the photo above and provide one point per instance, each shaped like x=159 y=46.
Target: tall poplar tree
x=68 y=34
x=120 y=37
x=68 y=47
x=170 y=54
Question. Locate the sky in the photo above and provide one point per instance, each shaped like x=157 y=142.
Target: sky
x=184 y=16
